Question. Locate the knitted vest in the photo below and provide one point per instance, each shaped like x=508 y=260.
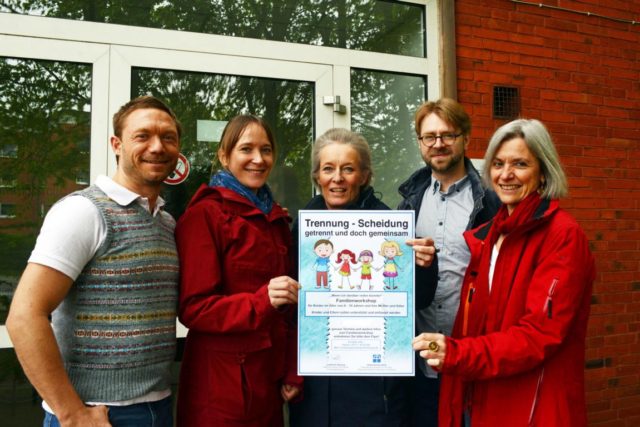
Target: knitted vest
x=116 y=326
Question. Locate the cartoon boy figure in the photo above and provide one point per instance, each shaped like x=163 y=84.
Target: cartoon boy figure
x=365 y=259
x=323 y=249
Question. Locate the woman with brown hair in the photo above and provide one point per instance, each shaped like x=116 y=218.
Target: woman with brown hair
x=236 y=297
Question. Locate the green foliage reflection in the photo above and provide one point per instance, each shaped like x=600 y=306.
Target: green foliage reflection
x=382 y=109
x=370 y=25
x=287 y=106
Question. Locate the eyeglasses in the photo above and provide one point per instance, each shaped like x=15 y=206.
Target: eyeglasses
x=446 y=138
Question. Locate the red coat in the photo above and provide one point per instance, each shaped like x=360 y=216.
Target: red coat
x=239 y=349
x=517 y=354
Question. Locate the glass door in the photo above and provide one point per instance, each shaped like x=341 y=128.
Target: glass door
x=206 y=90
x=52 y=139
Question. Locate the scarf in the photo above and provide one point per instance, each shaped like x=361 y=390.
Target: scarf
x=504 y=223
x=263 y=199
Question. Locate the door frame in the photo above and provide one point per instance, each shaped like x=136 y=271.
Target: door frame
x=124 y=58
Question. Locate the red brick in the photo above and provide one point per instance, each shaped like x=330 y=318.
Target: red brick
x=580 y=75
x=601 y=418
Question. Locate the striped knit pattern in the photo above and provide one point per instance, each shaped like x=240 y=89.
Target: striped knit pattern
x=116 y=326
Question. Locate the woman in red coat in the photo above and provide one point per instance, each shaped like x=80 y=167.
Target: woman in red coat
x=516 y=354
x=235 y=295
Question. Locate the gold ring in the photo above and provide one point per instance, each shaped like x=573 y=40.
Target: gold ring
x=433 y=346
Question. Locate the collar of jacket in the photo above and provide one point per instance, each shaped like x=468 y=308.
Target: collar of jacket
x=236 y=204
x=366 y=200
x=546 y=208
x=414 y=187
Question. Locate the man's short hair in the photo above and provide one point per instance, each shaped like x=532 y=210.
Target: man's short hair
x=449 y=110
x=142 y=102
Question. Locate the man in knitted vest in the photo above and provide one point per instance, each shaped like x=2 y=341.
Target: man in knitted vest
x=105 y=268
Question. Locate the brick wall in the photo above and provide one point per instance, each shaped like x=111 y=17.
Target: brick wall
x=580 y=75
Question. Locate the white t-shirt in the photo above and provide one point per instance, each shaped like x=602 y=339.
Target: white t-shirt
x=70 y=236
x=492 y=266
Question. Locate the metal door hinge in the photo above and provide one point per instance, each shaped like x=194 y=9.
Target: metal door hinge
x=335 y=101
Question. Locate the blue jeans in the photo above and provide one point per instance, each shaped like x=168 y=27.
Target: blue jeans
x=151 y=414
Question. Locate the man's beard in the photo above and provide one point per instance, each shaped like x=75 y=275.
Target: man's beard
x=451 y=163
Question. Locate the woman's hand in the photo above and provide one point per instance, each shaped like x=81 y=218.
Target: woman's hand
x=432 y=348
x=425 y=250
x=283 y=290
x=289 y=392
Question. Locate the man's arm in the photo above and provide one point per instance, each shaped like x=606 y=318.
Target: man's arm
x=39 y=292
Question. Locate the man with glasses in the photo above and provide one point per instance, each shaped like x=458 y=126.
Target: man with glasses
x=448 y=198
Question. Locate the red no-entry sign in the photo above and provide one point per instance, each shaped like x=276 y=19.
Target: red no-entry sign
x=181 y=171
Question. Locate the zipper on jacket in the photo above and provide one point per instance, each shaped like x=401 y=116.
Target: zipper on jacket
x=548 y=303
x=467 y=305
x=535 y=397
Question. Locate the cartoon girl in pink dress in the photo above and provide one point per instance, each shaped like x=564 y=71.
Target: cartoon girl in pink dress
x=345 y=256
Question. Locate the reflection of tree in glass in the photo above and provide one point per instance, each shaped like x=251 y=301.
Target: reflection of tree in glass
x=371 y=25
x=44 y=111
x=382 y=109
x=44 y=141
x=287 y=106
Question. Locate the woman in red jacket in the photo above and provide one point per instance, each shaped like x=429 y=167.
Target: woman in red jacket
x=235 y=295
x=516 y=355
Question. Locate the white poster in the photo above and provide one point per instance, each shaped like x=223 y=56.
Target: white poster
x=356 y=305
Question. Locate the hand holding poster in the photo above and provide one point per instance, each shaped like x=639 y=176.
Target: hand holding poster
x=356 y=308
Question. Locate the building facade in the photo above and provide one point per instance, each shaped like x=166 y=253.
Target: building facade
x=307 y=66
x=575 y=65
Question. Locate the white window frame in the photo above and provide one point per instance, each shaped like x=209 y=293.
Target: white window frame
x=114 y=49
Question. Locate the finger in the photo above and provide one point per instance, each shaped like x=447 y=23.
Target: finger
x=282 y=286
x=427 y=336
x=429 y=353
x=420 y=337
x=281 y=295
x=283 y=299
x=424 y=250
x=288 y=291
x=434 y=362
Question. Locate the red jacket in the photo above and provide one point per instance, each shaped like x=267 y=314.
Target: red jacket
x=239 y=349
x=517 y=353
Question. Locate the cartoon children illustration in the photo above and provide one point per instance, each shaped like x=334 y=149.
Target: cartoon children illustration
x=365 y=259
x=323 y=249
x=345 y=256
x=389 y=250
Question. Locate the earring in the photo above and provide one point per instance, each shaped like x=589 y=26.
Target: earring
x=541 y=187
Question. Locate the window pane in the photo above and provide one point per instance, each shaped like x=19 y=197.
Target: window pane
x=205 y=102
x=382 y=110
x=370 y=25
x=20 y=405
x=44 y=117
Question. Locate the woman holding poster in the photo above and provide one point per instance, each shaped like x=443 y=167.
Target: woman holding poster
x=342 y=172
x=235 y=296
